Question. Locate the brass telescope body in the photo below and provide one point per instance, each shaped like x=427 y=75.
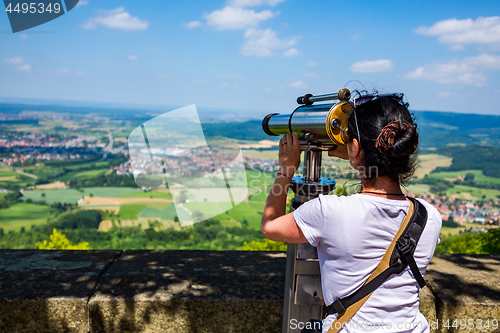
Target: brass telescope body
x=321 y=126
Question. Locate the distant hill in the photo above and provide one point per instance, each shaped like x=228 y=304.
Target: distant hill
x=437 y=129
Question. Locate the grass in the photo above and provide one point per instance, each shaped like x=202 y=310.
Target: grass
x=168 y=213
x=429 y=162
x=43 y=172
x=112 y=192
x=472 y=193
x=453 y=175
x=130 y=211
x=9 y=178
x=246 y=211
x=23 y=215
x=82 y=174
x=264 y=154
x=7 y=173
x=418 y=188
x=446 y=231
x=62 y=196
x=260 y=197
x=147 y=194
x=208 y=209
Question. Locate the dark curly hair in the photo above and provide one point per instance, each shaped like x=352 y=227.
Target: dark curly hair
x=388 y=136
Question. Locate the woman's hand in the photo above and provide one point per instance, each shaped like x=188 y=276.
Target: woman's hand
x=340 y=152
x=289 y=154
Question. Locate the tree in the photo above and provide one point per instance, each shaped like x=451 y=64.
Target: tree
x=266 y=245
x=198 y=216
x=469 y=176
x=58 y=241
x=450 y=223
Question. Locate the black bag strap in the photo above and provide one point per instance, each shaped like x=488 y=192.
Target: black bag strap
x=401 y=257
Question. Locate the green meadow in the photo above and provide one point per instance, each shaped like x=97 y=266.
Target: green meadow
x=23 y=215
x=63 y=196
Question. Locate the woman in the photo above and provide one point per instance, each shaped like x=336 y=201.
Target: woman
x=352 y=233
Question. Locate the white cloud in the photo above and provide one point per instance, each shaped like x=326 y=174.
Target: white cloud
x=192 y=24
x=373 y=66
x=164 y=75
x=269 y=89
x=199 y=81
x=465 y=71
x=313 y=64
x=250 y=3
x=298 y=84
x=117 y=19
x=23 y=36
x=444 y=94
x=237 y=18
x=63 y=71
x=14 y=61
x=132 y=57
x=80 y=73
x=261 y=43
x=292 y=53
x=484 y=32
x=24 y=68
x=311 y=74
x=82 y=3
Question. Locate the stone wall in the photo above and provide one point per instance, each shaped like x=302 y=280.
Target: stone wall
x=200 y=291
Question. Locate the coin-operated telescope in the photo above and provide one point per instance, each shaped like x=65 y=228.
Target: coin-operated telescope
x=320 y=127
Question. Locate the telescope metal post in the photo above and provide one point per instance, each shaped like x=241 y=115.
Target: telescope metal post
x=319 y=127
x=303 y=294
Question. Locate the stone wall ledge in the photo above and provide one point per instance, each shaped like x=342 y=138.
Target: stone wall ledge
x=200 y=291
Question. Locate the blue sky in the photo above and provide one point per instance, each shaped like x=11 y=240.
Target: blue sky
x=257 y=56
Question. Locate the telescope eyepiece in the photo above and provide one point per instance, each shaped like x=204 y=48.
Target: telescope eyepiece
x=344 y=94
x=305 y=99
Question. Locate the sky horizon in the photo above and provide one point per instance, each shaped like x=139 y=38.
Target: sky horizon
x=257 y=56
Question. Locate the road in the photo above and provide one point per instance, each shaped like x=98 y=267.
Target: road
x=19 y=171
x=109 y=147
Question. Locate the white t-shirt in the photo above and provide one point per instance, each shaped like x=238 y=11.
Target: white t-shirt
x=352 y=234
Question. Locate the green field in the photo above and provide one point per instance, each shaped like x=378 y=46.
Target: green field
x=167 y=213
x=472 y=193
x=43 y=172
x=147 y=194
x=7 y=173
x=208 y=209
x=453 y=175
x=9 y=178
x=82 y=174
x=130 y=211
x=23 y=215
x=62 y=196
x=418 y=188
x=112 y=192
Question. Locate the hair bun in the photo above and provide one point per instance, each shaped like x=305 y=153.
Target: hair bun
x=397 y=139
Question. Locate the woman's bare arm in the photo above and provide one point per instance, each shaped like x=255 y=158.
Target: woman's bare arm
x=275 y=225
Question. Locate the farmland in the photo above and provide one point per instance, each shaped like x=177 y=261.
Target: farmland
x=24 y=215
x=85 y=177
